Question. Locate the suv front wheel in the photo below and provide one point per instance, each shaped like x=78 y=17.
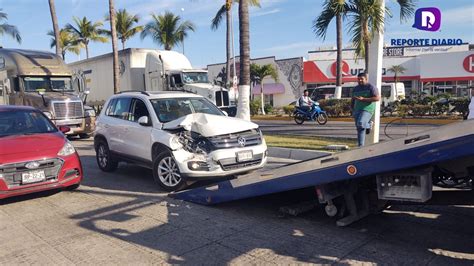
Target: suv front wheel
x=104 y=159
x=166 y=172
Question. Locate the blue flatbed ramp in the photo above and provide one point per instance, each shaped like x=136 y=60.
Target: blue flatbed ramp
x=449 y=142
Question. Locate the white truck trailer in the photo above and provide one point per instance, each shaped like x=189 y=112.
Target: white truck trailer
x=147 y=70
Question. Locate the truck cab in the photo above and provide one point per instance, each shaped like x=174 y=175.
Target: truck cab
x=42 y=80
x=169 y=70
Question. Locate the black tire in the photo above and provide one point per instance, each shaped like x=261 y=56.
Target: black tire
x=166 y=172
x=84 y=136
x=73 y=187
x=322 y=118
x=103 y=157
x=299 y=119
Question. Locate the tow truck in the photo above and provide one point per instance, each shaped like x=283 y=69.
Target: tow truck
x=366 y=178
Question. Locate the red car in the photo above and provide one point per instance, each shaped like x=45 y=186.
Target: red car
x=34 y=154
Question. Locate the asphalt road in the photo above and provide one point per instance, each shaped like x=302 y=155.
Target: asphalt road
x=124 y=218
x=337 y=129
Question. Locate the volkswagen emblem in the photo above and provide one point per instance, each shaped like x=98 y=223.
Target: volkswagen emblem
x=32 y=165
x=241 y=141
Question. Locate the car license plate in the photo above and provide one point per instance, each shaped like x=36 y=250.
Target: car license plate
x=243 y=156
x=32 y=177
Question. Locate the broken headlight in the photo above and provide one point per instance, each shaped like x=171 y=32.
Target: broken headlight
x=194 y=142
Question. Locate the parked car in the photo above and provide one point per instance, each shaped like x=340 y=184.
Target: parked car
x=34 y=154
x=181 y=136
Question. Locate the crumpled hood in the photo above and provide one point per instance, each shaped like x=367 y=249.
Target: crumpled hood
x=210 y=125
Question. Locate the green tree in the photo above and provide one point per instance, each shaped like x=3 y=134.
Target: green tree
x=368 y=19
x=396 y=70
x=332 y=9
x=86 y=31
x=67 y=42
x=259 y=73
x=54 y=18
x=166 y=30
x=226 y=10
x=7 y=28
x=125 y=25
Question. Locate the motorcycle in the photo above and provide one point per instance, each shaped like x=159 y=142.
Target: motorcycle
x=315 y=113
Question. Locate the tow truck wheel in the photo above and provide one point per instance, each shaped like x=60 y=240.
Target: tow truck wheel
x=331 y=210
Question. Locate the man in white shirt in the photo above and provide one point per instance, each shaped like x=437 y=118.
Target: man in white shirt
x=305 y=102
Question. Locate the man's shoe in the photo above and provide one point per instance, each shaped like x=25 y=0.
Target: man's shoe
x=367 y=130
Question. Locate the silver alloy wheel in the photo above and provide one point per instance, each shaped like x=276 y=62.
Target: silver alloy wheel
x=168 y=172
x=102 y=156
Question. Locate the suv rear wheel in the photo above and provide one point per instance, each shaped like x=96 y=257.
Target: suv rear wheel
x=104 y=159
x=166 y=172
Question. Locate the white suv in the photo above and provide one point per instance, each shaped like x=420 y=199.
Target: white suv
x=181 y=136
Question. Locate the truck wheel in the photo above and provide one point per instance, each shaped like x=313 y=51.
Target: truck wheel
x=84 y=136
x=104 y=159
x=166 y=172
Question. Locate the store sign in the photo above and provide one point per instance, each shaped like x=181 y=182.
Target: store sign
x=468 y=63
x=345 y=69
x=393 y=51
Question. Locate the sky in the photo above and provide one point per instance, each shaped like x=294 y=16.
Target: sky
x=280 y=28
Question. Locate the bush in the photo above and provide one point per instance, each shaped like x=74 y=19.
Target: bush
x=268 y=108
x=420 y=110
x=336 y=107
x=461 y=105
x=289 y=109
x=255 y=107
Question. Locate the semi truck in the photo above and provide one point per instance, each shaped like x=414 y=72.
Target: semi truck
x=148 y=70
x=42 y=80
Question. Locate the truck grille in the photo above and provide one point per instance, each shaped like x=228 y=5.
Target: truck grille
x=237 y=140
x=222 y=98
x=12 y=173
x=68 y=110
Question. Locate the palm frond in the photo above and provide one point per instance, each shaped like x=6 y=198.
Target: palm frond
x=216 y=21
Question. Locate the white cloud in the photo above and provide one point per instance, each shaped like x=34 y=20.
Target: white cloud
x=264 y=13
x=460 y=16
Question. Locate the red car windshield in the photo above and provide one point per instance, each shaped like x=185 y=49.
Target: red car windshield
x=24 y=122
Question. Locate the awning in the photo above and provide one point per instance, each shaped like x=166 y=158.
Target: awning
x=269 y=88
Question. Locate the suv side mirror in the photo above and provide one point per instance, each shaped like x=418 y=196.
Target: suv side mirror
x=143 y=121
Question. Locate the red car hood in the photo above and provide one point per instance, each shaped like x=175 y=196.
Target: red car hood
x=30 y=147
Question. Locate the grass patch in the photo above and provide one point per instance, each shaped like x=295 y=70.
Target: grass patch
x=306 y=142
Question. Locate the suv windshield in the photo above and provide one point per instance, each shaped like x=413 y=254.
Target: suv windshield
x=32 y=84
x=195 y=77
x=170 y=109
x=23 y=122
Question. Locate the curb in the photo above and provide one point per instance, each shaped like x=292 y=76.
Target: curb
x=295 y=154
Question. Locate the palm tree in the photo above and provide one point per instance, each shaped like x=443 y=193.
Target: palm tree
x=113 y=31
x=332 y=9
x=125 y=25
x=54 y=18
x=167 y=30
x=243 y=110
x=216 y=21
x=368 y=19
x=86 y=31
x=259 y=73
x=397 y=69
x=8 y=29
x=67 y=42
